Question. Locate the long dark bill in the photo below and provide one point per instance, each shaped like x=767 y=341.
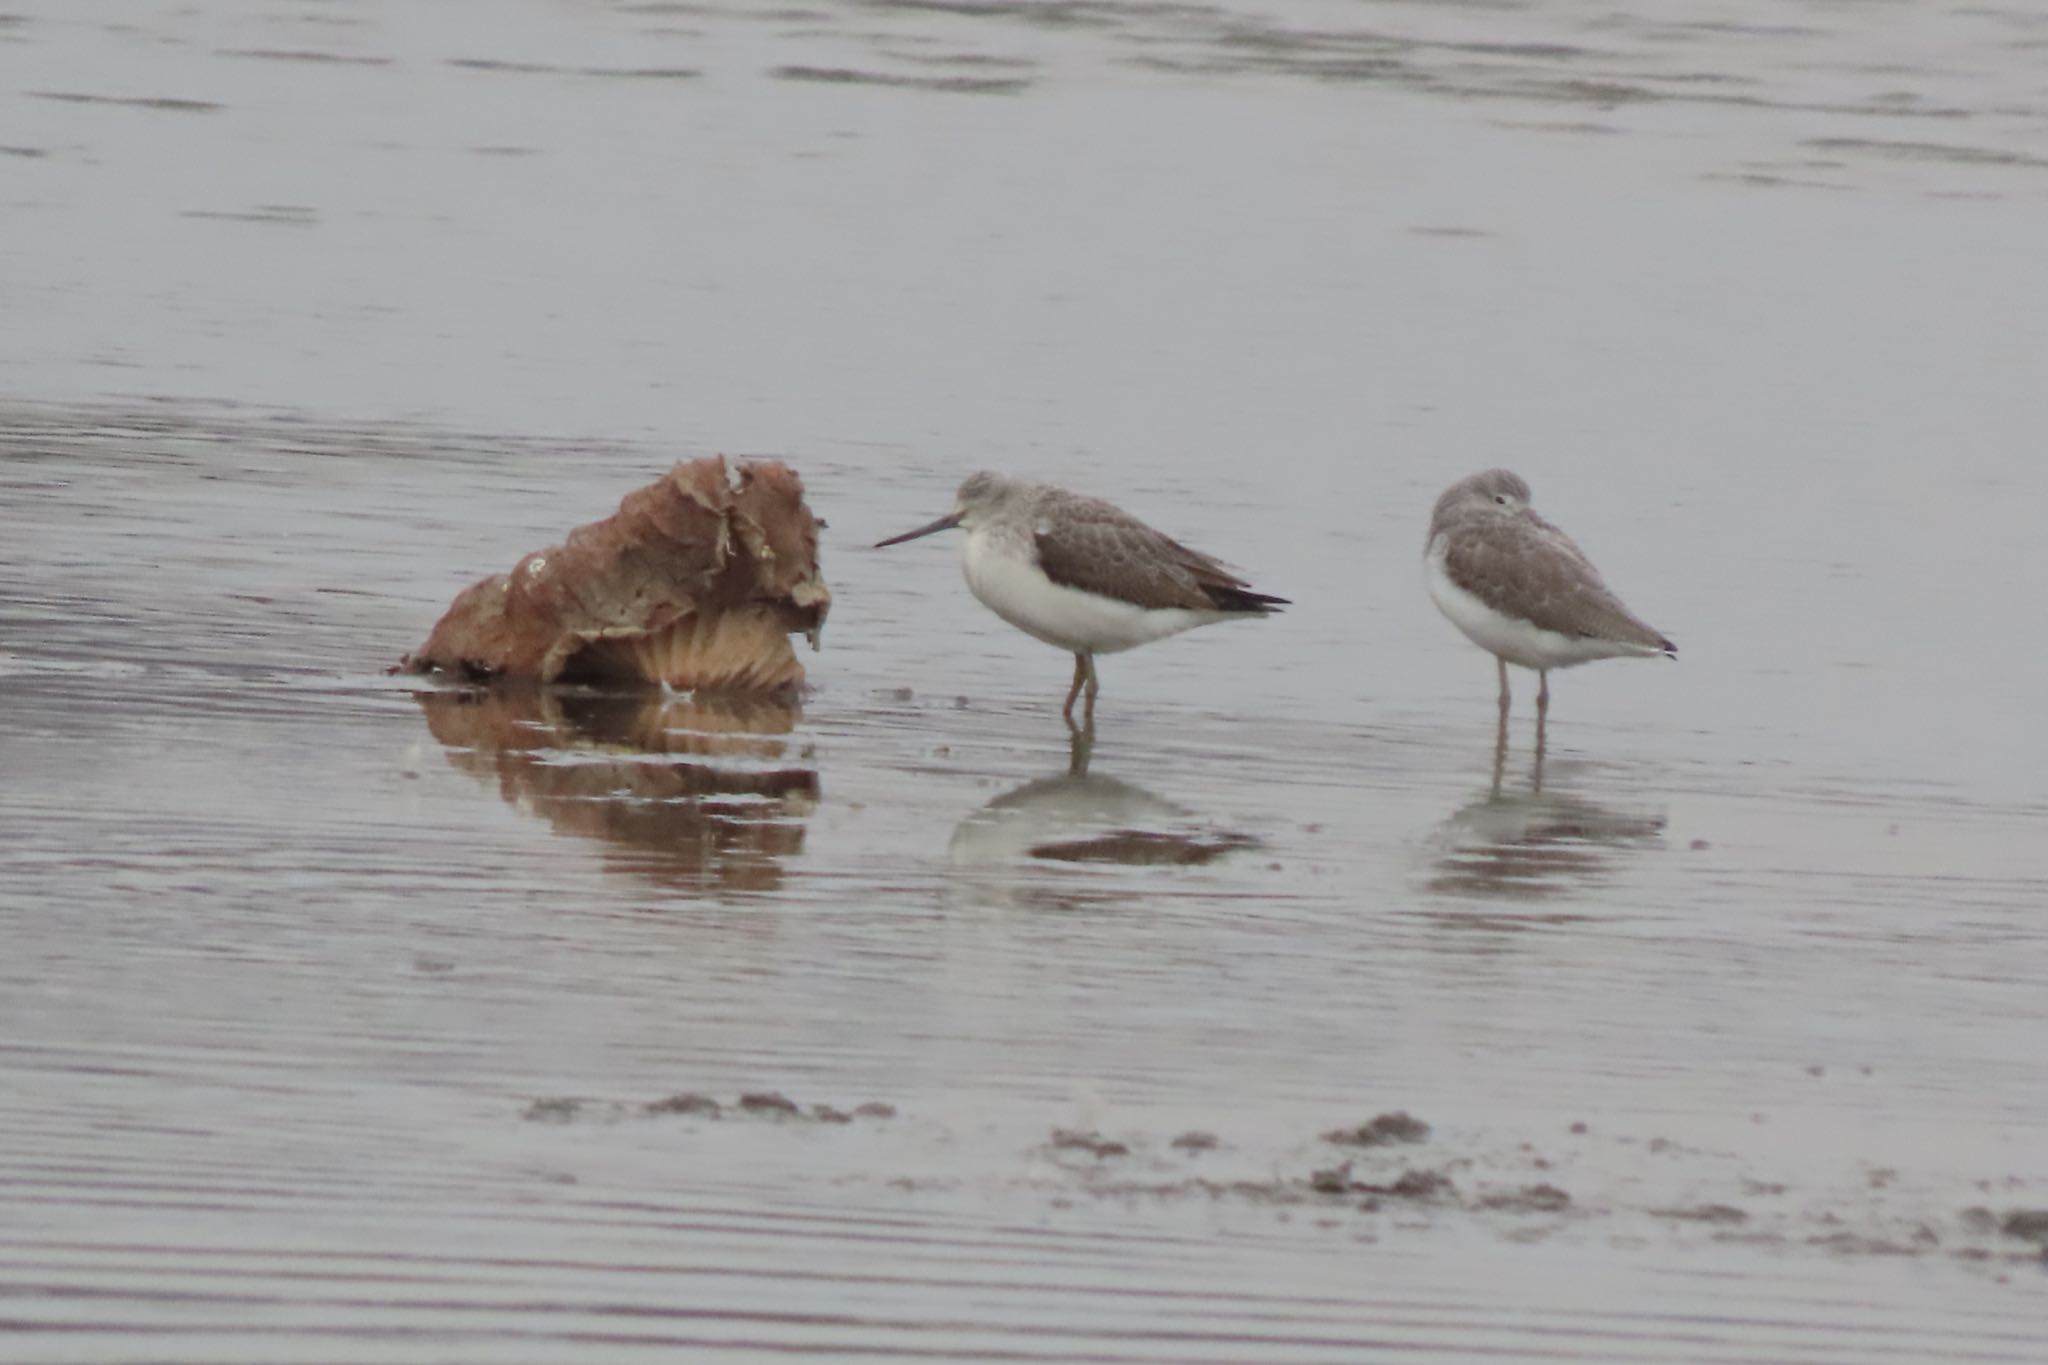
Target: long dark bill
x=945 y=523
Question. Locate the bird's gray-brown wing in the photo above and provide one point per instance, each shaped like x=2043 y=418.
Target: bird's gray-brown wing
x=1526 y=567
x=1094 y=546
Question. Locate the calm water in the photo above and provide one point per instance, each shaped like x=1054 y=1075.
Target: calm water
x=331 y=1015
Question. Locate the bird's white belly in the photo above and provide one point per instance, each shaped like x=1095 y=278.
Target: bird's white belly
x=1017 y=590
x=1510 y=637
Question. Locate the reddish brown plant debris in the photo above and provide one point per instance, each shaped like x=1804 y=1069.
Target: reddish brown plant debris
x=697 y=581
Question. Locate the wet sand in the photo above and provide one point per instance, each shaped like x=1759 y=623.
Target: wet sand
x=340 y=1018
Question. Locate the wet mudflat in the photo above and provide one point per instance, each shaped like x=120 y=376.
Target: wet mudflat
x=343 y=1019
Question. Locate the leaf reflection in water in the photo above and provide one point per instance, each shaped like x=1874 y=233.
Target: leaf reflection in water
x=692 y=794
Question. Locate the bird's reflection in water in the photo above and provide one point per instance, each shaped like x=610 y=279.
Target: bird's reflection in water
x=690 y=793
x=1535 y=844
x=1079 y=817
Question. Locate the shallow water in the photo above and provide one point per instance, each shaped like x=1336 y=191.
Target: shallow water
x=331 y=1012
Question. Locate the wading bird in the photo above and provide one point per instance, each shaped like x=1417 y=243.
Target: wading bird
x=1084 y=575
x=1522 y=591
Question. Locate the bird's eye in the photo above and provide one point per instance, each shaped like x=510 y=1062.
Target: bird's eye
x=1501 y=498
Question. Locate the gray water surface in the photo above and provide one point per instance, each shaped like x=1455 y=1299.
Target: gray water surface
x=340 y=1020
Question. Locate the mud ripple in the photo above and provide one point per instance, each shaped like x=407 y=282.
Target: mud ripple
x=165 y=103
x=271 y=54
x=518 y=68
x=957 y=85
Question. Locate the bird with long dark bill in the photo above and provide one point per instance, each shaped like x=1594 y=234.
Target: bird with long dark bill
x=1084 y=575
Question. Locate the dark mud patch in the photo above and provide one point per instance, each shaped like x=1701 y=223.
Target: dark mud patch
x=1381 y=1130
x=1611 y=1189
x=1094 y=1144
x=2027 y=1224
x=557 y=1110
x=1142 y=848
x=1416 y=1185
x=771 y=1105
x=1417 y=1188
x=1528 y=1199
x=1621 y=1186
x=775 y=1105
x=1721 y=1215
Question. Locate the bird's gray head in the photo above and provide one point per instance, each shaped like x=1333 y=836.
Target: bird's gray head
x=981 y=496
x=1497 y=492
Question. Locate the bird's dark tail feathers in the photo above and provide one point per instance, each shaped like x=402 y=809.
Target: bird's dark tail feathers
x=1244 y=599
